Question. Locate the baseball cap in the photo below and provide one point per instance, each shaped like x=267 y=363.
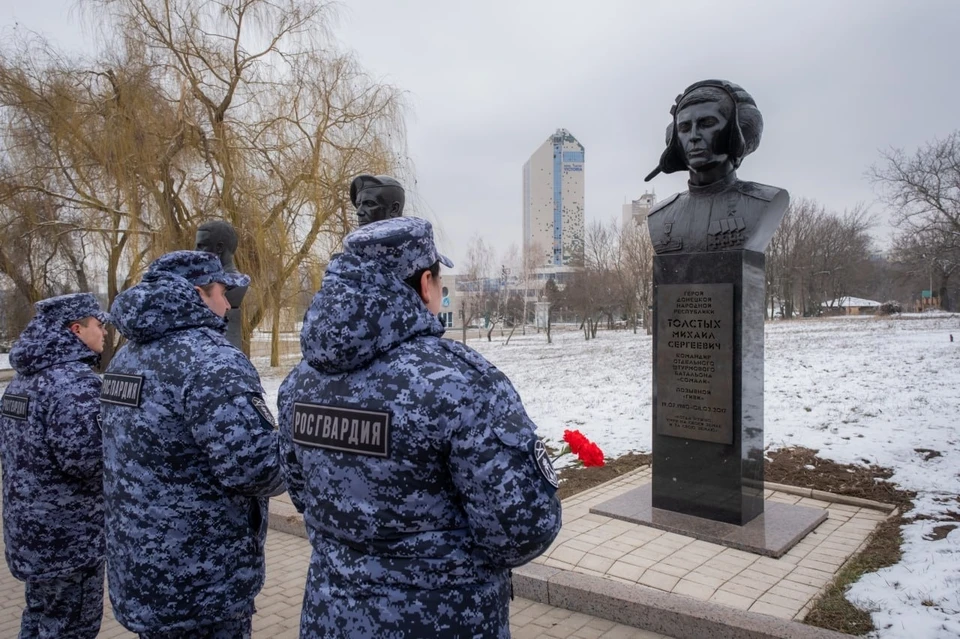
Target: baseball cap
x=198 y=267
x=65 y=309
x=403 y=245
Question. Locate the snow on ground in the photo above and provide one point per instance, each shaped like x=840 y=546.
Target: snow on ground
x=859 y=389
x=4 y=361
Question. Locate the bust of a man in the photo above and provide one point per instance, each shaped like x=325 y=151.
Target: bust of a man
x=220 y=238
x=377 y=197
x=715 y=125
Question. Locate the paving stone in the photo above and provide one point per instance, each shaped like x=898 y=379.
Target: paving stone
x=774 y=611
x=732 y=599
x=693 y=589
x=659 y=580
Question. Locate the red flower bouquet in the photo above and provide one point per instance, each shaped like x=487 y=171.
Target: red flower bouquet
x=589 y=454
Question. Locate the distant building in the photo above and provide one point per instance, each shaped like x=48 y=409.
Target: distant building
x=851 y=306
x=553 y=180
x=635 y=213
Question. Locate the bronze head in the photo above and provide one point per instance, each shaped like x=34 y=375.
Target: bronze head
x=377 y=197
x=220 y=238
x=713 y=121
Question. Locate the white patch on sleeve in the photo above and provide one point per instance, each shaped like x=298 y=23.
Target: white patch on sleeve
x=544 y=464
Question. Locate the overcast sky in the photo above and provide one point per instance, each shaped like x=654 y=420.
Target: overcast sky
x=488 y=82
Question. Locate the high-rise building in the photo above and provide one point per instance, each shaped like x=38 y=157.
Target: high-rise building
x=553 y=202
x=635 y=213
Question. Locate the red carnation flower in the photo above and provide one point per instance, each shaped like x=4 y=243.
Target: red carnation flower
x=588 y=452
x=575 y=440
x=591 y=455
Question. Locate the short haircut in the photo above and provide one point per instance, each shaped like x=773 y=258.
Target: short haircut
x=415 y=280
x=83 y=321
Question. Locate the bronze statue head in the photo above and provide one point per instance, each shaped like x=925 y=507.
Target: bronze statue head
x=220 y=238
x=714 y=121
x=377 y=197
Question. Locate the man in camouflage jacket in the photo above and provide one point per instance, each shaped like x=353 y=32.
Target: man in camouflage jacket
x=416 y=467
x=190 y=458
x=52 y=469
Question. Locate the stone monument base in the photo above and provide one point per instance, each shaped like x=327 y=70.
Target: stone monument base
x=772 y=534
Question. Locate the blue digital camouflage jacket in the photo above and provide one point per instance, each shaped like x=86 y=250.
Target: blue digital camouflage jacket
x=416 y=467
x=190 y=457
x=52 y=453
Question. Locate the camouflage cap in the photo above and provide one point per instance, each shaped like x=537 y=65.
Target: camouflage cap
x=64 y=309
x=197 y=267
x=402 y=245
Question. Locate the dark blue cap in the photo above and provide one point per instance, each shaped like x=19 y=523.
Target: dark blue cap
x=65 y=309
x=197 y=267
x=403 y=245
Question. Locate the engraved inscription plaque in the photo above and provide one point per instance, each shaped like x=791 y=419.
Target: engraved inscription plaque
x=694 y=368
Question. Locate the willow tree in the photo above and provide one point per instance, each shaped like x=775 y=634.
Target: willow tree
x=82 y=149
x=281 y=121
x=241 y=110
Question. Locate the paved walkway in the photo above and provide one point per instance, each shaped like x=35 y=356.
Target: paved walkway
x=278 y=606
x=640 y=555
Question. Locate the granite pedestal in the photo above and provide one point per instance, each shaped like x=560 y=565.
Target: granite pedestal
x=772 y=533
x=708 y=385
x=708 y=409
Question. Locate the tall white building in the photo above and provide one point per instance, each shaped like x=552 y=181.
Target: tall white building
x=553 y=202
x=635 y=213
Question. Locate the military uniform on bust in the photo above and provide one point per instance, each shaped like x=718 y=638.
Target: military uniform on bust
x=419 y=473
x=53 y=469
x=721 y=216
x=190 y=458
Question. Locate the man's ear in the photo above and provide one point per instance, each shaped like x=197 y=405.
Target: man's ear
x=395 y=209
x=75 y=328
x=426 y=294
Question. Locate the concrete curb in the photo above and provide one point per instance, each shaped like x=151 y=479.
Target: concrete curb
x=812 y=493
x=649 y=609
x=6 y=374
x=285 y=518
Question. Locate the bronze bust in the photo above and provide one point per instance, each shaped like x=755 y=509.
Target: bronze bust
x=220 y=238
x=377 y=197
x=715 y=125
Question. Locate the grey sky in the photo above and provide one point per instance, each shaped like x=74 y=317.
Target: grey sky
x=836 y=80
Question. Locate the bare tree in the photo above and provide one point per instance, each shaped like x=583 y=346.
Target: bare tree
x=531 y=261
x=923 y=191
x=233 y=109
x=816 y=258
x=473 y=284
x=593 y=291
x=634 y=268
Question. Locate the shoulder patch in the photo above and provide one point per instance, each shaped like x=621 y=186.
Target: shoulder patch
x=756 y=190
x=542 y=459
x=122 y=389
x=16 y=406
x=663 y=204
x=260 y=405
x=352 y=430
